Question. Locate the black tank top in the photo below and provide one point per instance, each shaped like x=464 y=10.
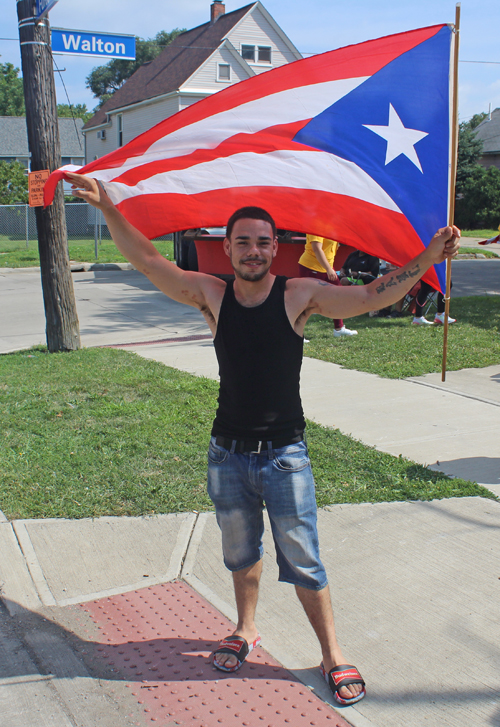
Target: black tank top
x=260 y=357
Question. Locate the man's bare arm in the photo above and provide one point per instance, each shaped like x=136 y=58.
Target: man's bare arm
x=195 y=289
x=345 y=302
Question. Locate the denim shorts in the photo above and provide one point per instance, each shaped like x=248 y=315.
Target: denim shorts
x=240 y=484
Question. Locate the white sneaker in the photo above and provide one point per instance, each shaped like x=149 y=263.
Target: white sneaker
x=344 y=332
x=439 y=319
x=422 y=321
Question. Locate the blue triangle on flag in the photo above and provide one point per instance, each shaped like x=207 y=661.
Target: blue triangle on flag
x=416 y=84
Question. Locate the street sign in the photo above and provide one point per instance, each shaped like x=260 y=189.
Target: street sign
x=89 y=43
x=43 y=7
x=36 y=183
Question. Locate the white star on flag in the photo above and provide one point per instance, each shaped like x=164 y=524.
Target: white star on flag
x=400 y=140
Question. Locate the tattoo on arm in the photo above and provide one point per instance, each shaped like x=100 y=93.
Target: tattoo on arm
x=384 y=284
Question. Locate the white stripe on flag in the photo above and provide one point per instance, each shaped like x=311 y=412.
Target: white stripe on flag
x=295 y=169
x=284 y=107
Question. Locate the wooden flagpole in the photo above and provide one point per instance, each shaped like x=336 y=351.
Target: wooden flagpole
x=453 y=178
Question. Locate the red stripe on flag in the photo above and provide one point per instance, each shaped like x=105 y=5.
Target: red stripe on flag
x=390 y=235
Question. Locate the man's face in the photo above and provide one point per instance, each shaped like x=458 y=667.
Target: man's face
x=251 y=248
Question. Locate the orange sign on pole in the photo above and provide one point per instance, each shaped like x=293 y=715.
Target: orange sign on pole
x=36 y=183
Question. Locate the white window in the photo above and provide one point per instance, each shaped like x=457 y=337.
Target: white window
x=264 y=54
x=224 y=72
x=119 y=126
x=248 y=53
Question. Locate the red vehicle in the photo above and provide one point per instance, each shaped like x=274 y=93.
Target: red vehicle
x=202 y=250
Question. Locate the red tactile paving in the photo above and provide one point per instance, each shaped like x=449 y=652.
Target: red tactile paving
x=159 y=640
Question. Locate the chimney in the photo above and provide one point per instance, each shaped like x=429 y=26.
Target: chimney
x=216 y=10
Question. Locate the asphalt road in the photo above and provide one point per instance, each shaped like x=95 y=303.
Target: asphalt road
x=475 y=277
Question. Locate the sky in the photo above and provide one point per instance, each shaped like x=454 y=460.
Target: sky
x=314 y=26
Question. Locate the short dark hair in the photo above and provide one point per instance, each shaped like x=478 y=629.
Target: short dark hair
x=249 y=213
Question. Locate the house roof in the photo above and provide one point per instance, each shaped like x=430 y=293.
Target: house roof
x=14 y=137
x=489 y=133
x=168 y=71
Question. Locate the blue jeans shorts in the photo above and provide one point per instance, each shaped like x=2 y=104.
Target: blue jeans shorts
x=239 y=484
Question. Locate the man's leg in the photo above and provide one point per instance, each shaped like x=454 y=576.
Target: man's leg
x=318 y=608
x=246 y=591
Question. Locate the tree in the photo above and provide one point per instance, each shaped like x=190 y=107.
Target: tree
x=11 y=91
x=479 y=206
x=78 y=111
x=13 y=183
x=103 y=81
x=469 y=152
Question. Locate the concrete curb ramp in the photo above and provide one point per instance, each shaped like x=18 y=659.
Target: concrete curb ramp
x=418 y=617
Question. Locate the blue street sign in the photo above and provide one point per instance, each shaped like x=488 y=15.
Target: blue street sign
x=88 y=43
x=43 y=7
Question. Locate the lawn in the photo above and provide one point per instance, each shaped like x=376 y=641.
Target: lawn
x=104 y=432
x=395 y=349
x=14 y=254
x=482 y=234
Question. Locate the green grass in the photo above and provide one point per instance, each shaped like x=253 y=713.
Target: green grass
x=483 y=234
x=103 y=432
x=14 y=254
x=395 y=349
x=481 y=250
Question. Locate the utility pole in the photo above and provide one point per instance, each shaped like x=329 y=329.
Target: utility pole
x=62 y=329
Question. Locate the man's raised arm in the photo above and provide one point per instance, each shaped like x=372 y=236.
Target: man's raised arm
x=185 y=287
x=346 y=302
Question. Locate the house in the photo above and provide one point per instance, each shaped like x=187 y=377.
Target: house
x=229 y=48
x=489 y=133
x=14 y=140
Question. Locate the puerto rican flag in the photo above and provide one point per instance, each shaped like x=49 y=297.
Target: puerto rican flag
x=353 y=145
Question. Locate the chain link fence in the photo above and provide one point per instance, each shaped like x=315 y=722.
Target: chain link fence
x=85 y=226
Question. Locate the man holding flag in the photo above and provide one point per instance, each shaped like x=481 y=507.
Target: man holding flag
x=257 y=451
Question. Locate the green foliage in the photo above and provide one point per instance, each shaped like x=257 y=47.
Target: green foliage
x=11 y=91
x=479 y=205
x=478 y=189
x=78 y=111
x=13 y=183
x=469 y=152
x=476 y=119
x=104 y=80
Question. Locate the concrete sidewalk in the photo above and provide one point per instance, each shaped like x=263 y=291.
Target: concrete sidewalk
x=415 y=617
x=414 y=585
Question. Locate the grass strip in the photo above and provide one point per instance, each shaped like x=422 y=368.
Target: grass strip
x=16 y=255
x=104 y=432
x=395 y=349
x=484 y=251
x=481 y=234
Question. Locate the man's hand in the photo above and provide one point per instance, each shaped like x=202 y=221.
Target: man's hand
x=90 y=190
x=331 y=274
x=445 y=244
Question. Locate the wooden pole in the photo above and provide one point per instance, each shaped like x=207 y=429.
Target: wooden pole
x=62 y=330
x=453 y=179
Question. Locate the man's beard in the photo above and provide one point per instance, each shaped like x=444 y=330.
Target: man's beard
x=248 y=275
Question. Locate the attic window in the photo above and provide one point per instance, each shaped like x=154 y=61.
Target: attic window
x=248 y=52
x=264 y=54
x=224 y=72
